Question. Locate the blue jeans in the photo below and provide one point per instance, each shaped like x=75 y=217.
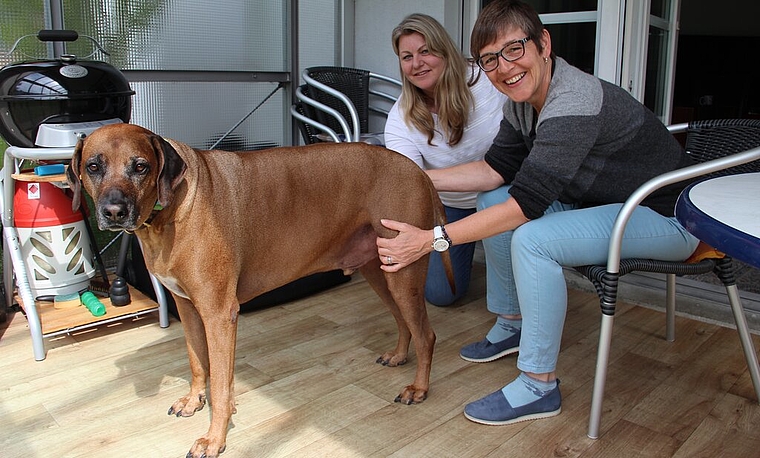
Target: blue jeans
x=524 y=267
x=437 y=289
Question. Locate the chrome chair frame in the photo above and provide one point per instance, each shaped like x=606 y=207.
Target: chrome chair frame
x=352 y=132
x=606 y=282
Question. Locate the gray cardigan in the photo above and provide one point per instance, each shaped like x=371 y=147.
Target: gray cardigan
x=592 y=144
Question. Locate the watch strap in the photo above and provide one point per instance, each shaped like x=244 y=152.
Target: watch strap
x=437 y=232
x=445 y=235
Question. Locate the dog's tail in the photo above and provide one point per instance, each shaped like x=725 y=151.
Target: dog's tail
x=440 y=220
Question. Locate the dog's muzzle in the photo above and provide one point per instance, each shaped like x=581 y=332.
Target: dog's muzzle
x=115 y=212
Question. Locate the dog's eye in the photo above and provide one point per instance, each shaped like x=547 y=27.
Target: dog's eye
x=141 y=167
x=93 y=168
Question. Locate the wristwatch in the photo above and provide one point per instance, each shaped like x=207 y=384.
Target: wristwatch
x=441 y=240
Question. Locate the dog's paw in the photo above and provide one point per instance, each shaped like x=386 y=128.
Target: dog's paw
x=391 y=359
x=205 y=448
x=411 y=395
x=186 y=406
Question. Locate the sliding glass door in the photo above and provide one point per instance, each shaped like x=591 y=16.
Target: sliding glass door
x=649 y=53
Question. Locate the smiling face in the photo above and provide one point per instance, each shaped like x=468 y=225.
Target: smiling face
x=418 y=64
x=527 y=78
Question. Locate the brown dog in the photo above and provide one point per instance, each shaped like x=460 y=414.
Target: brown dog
x=232 y=226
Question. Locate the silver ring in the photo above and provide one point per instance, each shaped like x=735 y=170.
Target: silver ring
x=389 y=260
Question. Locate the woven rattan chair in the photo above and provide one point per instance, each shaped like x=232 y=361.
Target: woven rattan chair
x=720 y=147
x=303 y=112
x=338 y=101
x=353 y=83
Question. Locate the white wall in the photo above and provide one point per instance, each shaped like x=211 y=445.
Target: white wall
x=375 y=20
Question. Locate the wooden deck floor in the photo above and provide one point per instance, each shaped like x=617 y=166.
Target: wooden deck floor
x=307 y=386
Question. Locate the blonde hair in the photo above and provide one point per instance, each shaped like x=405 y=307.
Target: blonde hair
x=452 y=91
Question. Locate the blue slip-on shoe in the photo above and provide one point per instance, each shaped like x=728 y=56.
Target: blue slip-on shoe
x=485 y=351
x=495 y=409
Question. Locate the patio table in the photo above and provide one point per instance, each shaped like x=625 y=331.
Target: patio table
x=724 y=212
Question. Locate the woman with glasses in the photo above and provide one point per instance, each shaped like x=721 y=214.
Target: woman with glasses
x=446 y=115
x=570 y=150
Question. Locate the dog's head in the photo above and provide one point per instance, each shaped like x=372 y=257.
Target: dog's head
x=127 y=170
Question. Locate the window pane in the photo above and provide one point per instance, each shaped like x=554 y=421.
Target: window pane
x=660 y=8
x=199 y=113
x=654 y=91
x=576 y=43
x=558 y=6
x=238 y=35
x=162 y=35
x=21 y=18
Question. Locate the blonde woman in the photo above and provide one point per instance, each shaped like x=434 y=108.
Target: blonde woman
x=446 y=115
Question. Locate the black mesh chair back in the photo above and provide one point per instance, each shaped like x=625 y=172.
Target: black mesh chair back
x=352 y=82
x=715 y=138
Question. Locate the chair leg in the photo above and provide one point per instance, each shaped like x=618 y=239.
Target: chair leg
x=744 y=336
x=600 y=376
x=670 y=308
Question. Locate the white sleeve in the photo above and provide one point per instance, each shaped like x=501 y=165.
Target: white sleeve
x=399 y=138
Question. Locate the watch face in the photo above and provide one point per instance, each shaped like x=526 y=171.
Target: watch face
x=440 y=245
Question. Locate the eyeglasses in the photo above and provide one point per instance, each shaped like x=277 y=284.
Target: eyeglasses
x=511 y=52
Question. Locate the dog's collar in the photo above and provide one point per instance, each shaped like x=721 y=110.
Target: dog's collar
x=156 y=208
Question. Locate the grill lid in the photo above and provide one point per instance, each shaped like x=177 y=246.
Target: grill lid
x=57 y=92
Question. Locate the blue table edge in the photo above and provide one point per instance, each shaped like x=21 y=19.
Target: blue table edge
x=731 y=241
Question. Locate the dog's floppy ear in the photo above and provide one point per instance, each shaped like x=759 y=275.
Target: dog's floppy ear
x=72 y=176
x=171 y=170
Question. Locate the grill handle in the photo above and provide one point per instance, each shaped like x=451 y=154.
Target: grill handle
x=57 y=35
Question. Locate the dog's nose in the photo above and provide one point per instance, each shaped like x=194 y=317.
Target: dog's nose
x=115 y=212
x=113 y=206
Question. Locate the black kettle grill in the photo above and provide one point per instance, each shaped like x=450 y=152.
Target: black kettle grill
x=46 y=103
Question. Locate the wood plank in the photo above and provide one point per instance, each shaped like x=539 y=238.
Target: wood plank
x=55 y=320
x=34 y=178
x=307 y=385
x=729 y=430
x=630 y=440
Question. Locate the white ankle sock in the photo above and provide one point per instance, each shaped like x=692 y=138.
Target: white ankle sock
x=503 y=329
x=524 y=390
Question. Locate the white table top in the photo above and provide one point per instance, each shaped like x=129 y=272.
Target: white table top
x=724 y=212
x=733 y=200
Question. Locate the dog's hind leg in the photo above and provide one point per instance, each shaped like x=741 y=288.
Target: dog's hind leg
x=409 y=293
x=197 y=351
x=376 y=279
x=403 y=292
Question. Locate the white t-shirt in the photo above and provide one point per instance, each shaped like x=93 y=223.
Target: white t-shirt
x=476 y=139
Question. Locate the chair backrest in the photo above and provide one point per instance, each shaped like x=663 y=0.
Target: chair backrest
x=714 y=138
x=338 y=102
x=352 y=82
x=308 y=132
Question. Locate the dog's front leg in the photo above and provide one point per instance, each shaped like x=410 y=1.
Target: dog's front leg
x=221 y=337
x=197 y=351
